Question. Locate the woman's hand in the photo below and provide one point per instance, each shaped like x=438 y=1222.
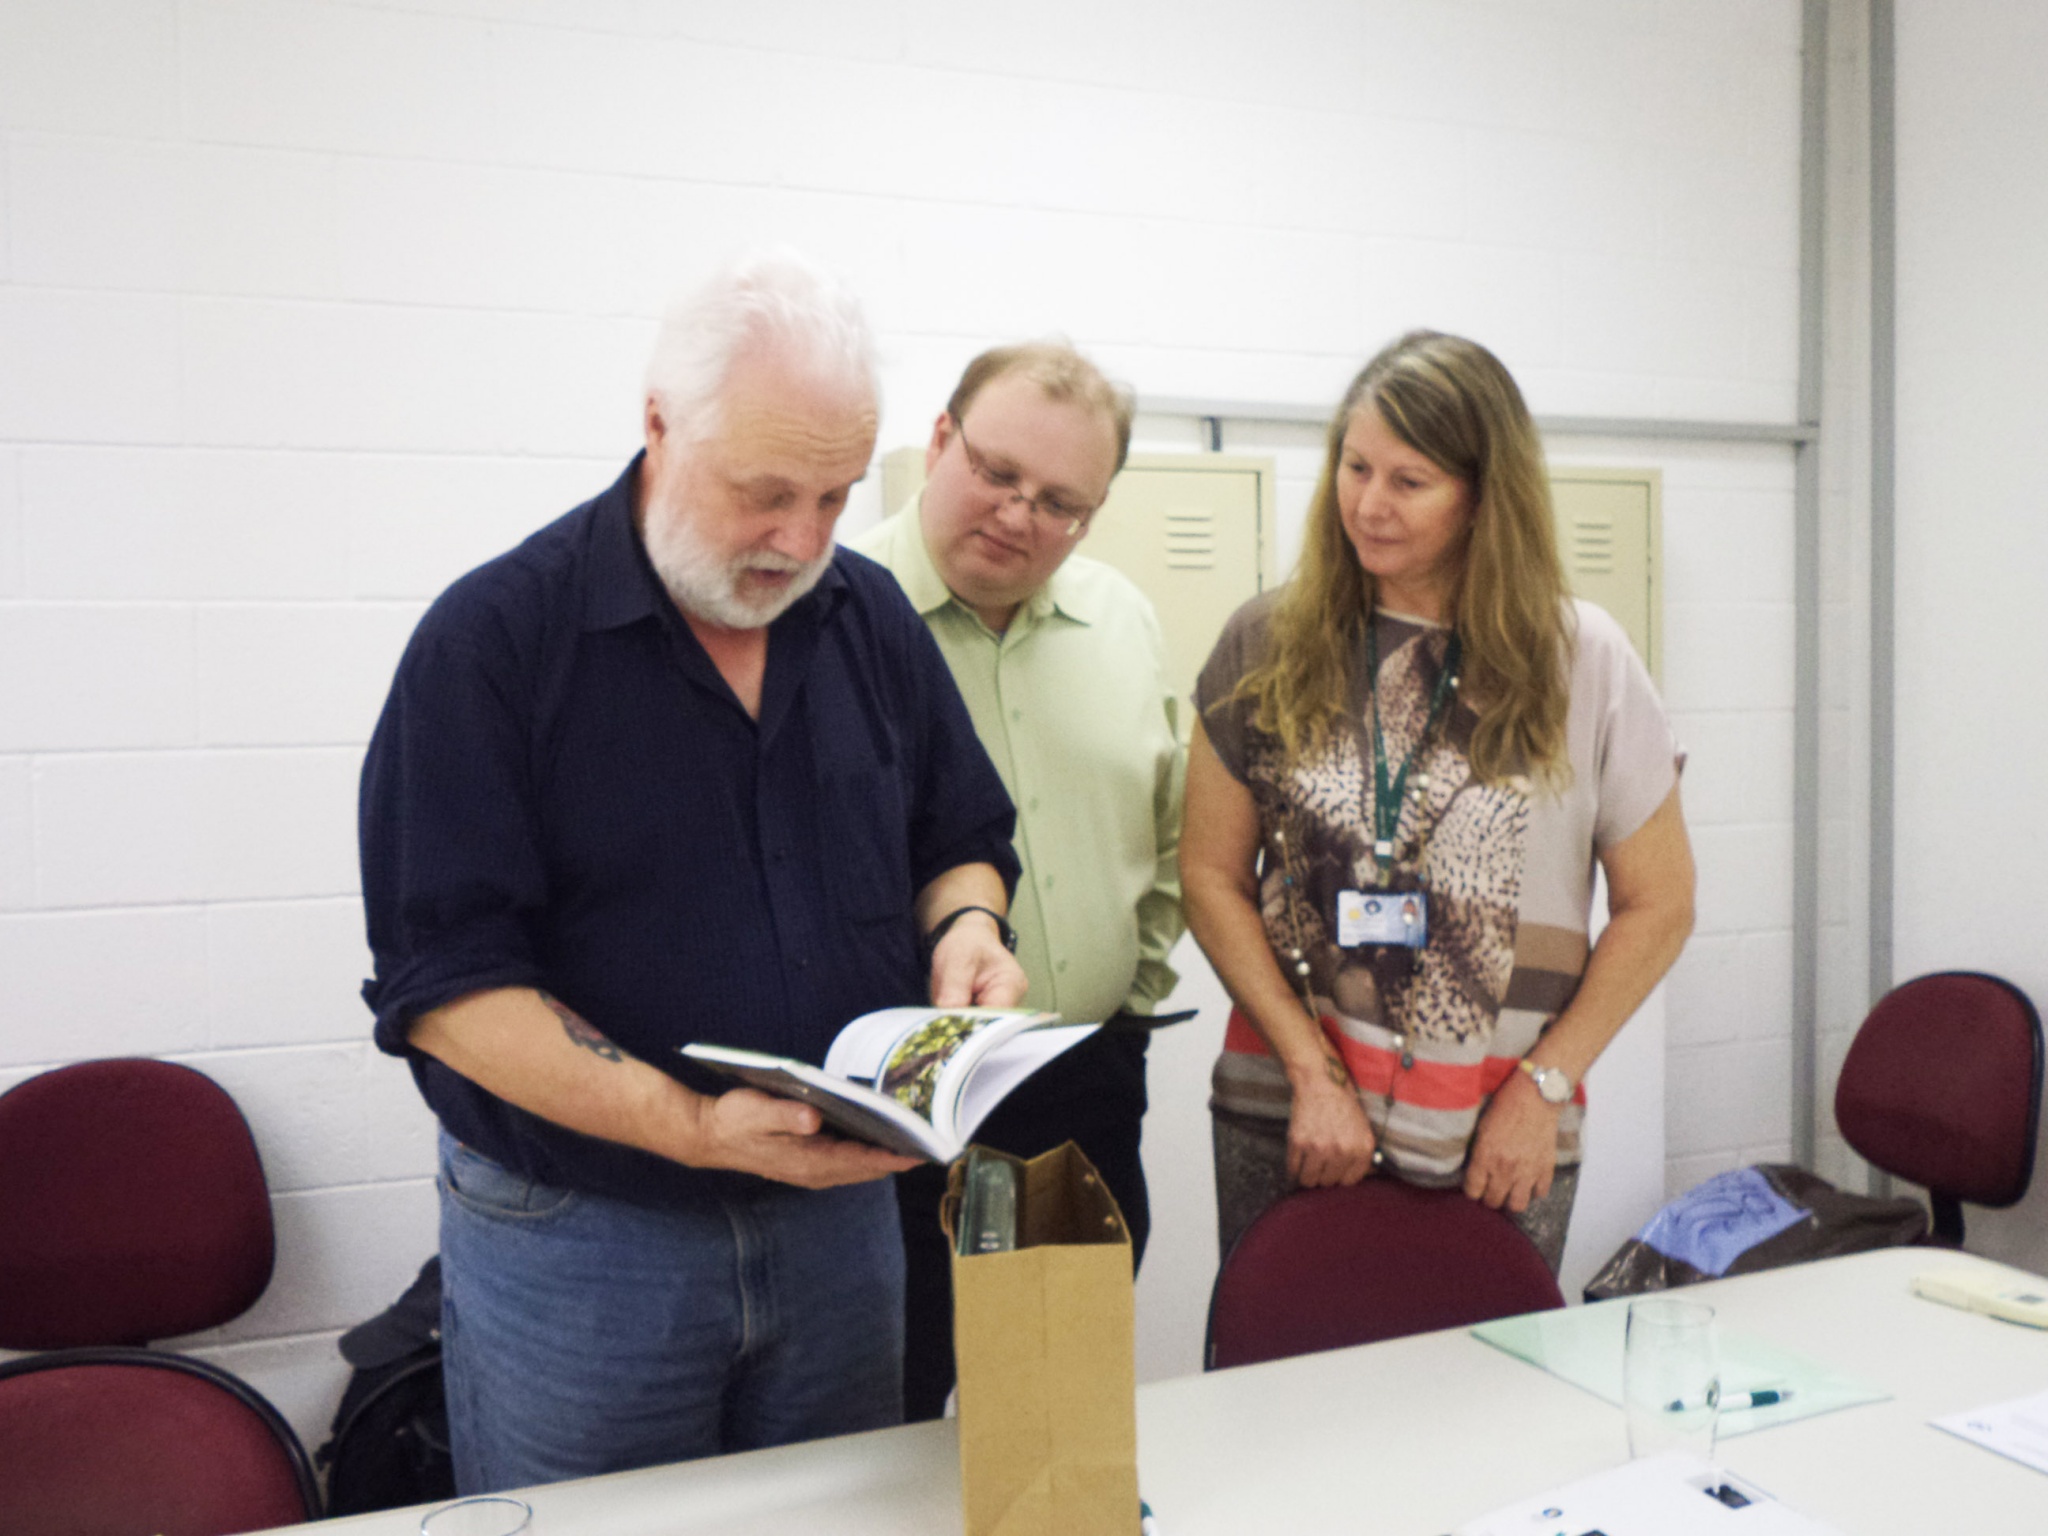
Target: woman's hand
x=1329 y=1140
x=1514 y=1153
x=1649 y=913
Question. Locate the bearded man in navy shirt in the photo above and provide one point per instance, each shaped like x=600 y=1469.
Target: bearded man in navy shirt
x=676 y=769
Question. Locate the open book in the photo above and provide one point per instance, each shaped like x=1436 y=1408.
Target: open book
x=914 y=1080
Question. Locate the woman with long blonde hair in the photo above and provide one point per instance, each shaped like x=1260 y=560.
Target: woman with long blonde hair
x=1408 y=762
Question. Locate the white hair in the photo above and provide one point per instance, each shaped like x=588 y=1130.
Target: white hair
x=770 y=298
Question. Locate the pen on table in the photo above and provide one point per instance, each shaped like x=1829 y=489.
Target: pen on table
x=1735 y=1402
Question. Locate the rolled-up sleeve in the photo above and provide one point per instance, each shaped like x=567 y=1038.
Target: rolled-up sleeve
x=451 y=861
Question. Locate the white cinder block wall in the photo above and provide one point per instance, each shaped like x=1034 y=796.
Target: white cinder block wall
x=1972 y=729
x=306 y=307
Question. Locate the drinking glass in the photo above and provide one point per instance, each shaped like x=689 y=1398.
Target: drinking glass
x=491 y=1515
x=1671 y=1377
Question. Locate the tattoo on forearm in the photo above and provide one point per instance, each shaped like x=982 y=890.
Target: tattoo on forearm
x=1335 y=1071
x=580 y=1030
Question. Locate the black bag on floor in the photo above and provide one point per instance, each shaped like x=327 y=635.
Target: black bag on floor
x=390 y=1441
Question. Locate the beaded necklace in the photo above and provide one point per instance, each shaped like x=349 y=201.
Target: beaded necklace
x=1387 y=788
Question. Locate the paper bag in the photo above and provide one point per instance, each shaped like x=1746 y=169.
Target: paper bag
x=1043 y=1337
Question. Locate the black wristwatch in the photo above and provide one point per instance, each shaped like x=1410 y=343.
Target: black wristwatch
x=1003 y=929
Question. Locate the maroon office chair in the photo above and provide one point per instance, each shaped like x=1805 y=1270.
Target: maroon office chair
x=1326 y=1268
x=133 y=1207
x=1942 y=1087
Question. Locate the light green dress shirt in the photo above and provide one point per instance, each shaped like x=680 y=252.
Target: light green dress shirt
x=1073 y=706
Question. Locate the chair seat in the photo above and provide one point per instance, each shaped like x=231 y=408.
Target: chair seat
x=125 y=1443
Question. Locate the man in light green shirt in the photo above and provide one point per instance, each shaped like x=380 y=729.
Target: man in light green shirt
x=1063 y=668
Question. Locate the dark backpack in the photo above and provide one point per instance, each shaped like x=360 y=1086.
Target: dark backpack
x=390 y=1442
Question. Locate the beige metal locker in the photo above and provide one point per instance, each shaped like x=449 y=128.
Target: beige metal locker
x=1610 y=533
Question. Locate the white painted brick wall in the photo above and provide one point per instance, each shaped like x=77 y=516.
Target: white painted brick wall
x=1971 y=730
x=17 y=862
x=88 y=367
x=99 y=66
x=284 y=674
x=283 y=973
x=91 y=675
x=139 y=827
x=112 y=983
x=308 y=306
x=10 y=516
x=110 y=523
x=417 y=522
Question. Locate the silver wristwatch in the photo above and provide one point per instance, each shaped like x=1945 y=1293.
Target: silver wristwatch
x=1551 y=1083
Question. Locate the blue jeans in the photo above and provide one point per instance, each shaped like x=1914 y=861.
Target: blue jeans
x=584 y=1335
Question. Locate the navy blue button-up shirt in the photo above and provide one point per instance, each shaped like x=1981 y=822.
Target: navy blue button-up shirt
x=563 y=793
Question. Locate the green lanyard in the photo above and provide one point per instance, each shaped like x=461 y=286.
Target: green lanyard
x=1387 y=791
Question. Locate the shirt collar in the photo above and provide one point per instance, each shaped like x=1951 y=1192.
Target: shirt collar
x=621 y=586
x=1065 y=594
x=1070 y=595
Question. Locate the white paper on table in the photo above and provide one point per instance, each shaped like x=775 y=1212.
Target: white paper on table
x=2018 y=1429
x=1668 y=1495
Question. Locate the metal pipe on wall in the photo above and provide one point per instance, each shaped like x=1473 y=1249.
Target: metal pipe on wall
x=1884 y=214
x=1212 y=412
x=1806 y=697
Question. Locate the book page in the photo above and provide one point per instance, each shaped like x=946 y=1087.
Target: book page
x=962 y=1066
x=862 y=1049
x=901 y=1052
x=1012 y=1060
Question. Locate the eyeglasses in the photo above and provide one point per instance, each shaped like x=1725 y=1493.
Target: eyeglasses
x=1052 y=512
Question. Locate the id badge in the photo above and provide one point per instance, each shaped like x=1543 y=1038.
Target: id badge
x=1382 y=917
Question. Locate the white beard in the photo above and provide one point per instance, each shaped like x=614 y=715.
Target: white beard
x=709 y=587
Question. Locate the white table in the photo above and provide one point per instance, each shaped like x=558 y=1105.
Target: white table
x=1410 y=1438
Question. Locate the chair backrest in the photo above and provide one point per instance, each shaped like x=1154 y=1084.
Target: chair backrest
x=132 y=1206
x=1325 y=1268
x=1942 y=1087
x=132 y=1440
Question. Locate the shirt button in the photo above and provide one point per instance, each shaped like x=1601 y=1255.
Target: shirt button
x=1016 y=714
x=1032 y=804
x=1046 y=882
x=1061 y=967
